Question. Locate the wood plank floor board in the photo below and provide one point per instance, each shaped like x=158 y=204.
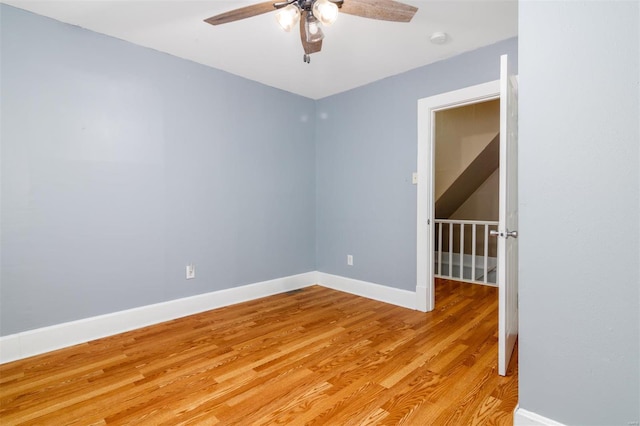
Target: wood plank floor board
x=314 y=356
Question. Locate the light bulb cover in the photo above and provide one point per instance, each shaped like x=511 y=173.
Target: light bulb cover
x=325 y=11
x=288 y=17
x=312 y=29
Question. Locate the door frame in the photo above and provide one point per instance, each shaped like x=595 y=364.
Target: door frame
x=427 y=107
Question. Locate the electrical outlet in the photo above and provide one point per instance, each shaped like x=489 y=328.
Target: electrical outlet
x=191 y=271
x=350 y=260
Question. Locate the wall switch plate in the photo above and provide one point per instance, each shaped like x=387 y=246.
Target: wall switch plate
x=414 y=178
x=191 y=271
x=350 y=260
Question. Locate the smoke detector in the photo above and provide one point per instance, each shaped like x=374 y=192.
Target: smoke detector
x=438 y=38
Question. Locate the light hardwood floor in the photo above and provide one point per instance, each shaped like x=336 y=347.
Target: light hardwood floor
x=315 y=356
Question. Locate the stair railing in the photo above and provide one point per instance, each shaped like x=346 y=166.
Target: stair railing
x=464 y=251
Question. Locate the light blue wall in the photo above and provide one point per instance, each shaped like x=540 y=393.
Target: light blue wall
x=120 y=165
x=580 y=211
x=366 y=147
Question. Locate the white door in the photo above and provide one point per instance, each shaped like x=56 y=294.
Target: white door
x=507 y=230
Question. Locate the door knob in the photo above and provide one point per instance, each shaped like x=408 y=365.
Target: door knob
x=512 y=234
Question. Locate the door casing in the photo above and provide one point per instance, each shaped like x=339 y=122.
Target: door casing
x=427 y=107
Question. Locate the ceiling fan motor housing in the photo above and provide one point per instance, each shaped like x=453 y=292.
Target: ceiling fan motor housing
x=306 y=4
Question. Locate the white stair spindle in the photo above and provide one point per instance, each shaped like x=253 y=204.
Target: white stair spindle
x=473 y=252
x=486 y=252
x=450 y=249
x=462 y=251
x=440 y=248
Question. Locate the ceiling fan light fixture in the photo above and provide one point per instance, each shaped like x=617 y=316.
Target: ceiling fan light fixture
x=288 y=17
x=312 y=29
x=310 y=15
x=325 y=11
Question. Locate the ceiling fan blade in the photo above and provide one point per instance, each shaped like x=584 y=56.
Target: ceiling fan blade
x=385 y=10
x=242 y=13
x=309 y=48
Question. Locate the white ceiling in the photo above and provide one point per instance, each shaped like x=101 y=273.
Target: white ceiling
x=355 y=51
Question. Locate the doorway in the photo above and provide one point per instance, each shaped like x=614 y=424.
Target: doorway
x=427 y=110
x=466 y=189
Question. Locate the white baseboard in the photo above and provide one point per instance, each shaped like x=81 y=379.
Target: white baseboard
x=46 y=339
x=522 y=417
x=382 y=293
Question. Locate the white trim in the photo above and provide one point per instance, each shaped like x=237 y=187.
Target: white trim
x=427 y=108
x=382 y=293
x=46 y=339
x=522 y=417
x=34 y=342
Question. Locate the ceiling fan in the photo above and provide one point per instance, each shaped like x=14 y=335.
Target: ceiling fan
x=312 y=14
